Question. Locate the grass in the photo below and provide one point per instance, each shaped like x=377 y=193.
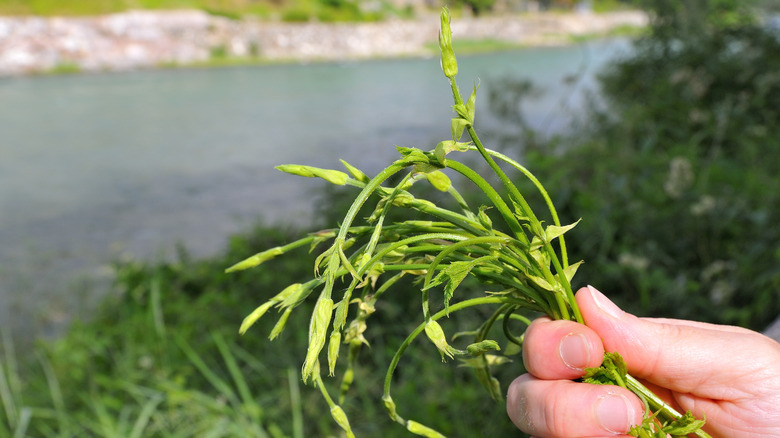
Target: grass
x=162 y=358
x=230 y=8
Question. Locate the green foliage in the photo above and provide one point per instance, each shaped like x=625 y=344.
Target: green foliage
x=291 y=10
x=676 y=180
x=162 y=357
x=478 y=7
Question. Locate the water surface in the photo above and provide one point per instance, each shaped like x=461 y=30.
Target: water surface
x=99 y=167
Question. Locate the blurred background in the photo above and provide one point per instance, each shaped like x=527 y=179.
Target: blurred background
x=137 y=145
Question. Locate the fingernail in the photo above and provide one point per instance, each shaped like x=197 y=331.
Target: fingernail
x=575 y=351
x=604 y=303
x=614 y=413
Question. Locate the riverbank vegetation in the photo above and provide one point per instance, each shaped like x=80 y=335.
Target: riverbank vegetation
x=673 y=172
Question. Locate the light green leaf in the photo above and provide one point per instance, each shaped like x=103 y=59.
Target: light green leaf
x=553 y=231
x=541 y=257
x=447 y=146
x=541 y=282
x=457 y=126
x=412 y=155
x=454 y=273
x=684 y=425
x=471 y=103
x=570 y=270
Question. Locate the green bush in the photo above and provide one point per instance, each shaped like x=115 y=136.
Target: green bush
x=676 y=180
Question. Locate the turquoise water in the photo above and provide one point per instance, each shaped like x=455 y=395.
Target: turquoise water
x=94 y=168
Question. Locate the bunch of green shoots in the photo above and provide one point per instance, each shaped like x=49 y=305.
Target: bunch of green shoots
x=528 y=263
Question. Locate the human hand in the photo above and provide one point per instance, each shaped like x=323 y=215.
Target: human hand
x=729 y=373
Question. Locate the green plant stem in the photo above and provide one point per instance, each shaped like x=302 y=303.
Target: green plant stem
x=420 y=328
x=536 y=227
x=513 y=192
x=509 y=315
x=460 y=221
x=663 y=410
x=494 y=197
x=542 y=191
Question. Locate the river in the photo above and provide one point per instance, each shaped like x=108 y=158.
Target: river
x=101 y=167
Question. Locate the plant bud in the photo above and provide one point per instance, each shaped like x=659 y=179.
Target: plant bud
x=293 y=295
x=331 y=176
x=356 y=173
x=448 y=62
x=333 y=351
x=483 y=347
x=341 y=419
x=439 y=180
x=346 y=382
x=390 y=407
x=254 y=316
x=435 y=333
x=484 y=219
x=418 y=429
x=461 y=110
x=354 y=332
x=318 y=327
x=403 y=200
x=277 y=330
x=255 y=260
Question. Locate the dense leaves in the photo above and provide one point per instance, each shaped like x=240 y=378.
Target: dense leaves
x=676 y=181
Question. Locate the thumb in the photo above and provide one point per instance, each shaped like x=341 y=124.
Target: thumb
x=683 y=356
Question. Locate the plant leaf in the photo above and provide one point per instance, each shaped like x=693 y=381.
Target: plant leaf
x=553 y=231
x=471 y=103
x=454 y=273
x=684 y=425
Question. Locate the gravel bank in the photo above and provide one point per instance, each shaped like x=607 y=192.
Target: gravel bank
x=144 y=39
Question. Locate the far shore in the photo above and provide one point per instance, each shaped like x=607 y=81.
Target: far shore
x=148 y=39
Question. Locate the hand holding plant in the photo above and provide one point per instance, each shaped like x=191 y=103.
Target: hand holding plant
x=522 y=258
x=732 y=374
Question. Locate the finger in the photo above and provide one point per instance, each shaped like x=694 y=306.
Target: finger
x=562 y=408
x=681 y=356
x=560 y=349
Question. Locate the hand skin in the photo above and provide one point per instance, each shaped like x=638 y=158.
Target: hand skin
x=729 y=373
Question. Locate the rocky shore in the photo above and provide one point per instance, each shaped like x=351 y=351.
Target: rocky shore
x=144 y=39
